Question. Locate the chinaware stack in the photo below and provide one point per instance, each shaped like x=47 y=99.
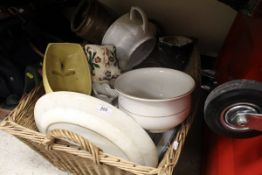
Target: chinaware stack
x=149 y=99
x=69 y=70
x=81 y=81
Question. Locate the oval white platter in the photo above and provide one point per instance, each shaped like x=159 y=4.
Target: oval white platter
x=104 y=125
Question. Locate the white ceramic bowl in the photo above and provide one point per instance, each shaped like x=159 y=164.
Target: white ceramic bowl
x=161 y=123
x=155 y=93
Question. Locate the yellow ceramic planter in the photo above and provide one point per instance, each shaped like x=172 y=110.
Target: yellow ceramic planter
x=65 y=68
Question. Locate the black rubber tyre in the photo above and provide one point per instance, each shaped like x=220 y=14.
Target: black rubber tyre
x=229 y=94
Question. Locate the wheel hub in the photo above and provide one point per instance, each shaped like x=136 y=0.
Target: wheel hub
x=235 y=118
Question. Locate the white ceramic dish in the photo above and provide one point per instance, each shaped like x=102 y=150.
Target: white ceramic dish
x=101 y=122
x=97 y=139
x=155 y=92
x=65 y=68
x=161 y=123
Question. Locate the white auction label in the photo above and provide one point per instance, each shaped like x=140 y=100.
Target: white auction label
x=104 y=109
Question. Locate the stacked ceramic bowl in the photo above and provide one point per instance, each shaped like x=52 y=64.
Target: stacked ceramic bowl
x=157 y=98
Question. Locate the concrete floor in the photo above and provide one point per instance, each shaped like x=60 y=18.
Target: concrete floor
x=16 y=158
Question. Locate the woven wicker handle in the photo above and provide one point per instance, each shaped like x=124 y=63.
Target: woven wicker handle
x=72 y=137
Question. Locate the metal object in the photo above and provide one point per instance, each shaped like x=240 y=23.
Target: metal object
x=254 y=121
x=242 y=117
x=91 y=20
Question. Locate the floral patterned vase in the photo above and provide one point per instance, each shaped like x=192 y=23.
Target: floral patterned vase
x=103 y=62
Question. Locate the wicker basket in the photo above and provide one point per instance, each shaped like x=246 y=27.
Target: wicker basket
x=83 y=157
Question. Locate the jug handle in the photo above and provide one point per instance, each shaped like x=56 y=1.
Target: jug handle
x=142 y=14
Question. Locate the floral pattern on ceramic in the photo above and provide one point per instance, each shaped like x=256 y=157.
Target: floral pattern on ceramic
x=103 y=62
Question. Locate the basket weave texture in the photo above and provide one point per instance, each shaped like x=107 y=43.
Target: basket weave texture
x=73 y=153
